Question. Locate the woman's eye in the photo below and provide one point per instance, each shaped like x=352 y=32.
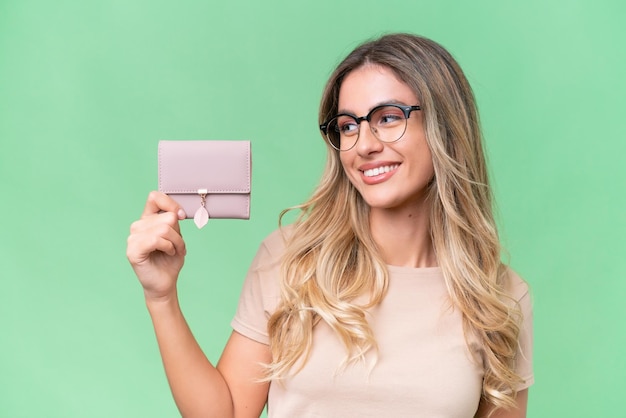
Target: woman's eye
x=348 y=128
x=390 y=118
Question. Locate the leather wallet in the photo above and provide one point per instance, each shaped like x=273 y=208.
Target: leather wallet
x=209 y=179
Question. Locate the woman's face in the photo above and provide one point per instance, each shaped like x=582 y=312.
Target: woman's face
x=387 y=175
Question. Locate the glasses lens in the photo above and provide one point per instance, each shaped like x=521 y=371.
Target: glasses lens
x=388 y=123
x=342 y=132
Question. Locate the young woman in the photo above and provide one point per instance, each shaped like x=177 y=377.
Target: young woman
x=387 y=297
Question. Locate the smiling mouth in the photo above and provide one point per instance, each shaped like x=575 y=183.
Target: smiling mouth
x=380 y=170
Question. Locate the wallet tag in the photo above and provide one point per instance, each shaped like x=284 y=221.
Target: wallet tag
x=201 y=216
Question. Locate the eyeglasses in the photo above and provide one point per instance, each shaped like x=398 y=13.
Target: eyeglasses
x=387 y=123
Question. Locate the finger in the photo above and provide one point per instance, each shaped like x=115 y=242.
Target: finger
x=148 y=222
x=166 y=246
x=157 y=224
x=158 y=201
x=160 y=238
x=177 y=241
x=170 y=219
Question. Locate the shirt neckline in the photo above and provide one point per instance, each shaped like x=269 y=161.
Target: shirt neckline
x=420 y=271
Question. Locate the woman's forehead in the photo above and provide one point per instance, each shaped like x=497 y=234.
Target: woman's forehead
x=372 y=85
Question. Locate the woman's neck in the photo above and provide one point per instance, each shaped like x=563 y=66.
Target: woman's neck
x=403 y=236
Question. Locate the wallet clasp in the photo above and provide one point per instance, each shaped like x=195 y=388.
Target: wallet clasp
x=201 y=216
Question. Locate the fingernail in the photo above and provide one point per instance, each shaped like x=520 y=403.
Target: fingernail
x=181 y=214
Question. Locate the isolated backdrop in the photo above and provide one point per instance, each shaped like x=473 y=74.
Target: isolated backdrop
x=87 y=88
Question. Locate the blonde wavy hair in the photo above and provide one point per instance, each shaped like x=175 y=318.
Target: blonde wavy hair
x=331 y=258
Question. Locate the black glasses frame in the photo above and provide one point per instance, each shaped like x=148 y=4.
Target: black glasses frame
x=405 y=109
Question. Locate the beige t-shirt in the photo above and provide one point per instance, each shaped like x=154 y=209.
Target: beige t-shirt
x=424 y=367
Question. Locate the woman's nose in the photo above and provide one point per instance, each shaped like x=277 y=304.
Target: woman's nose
x=368 y=143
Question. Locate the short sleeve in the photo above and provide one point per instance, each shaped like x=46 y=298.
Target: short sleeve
x=260 y=292
x=524 y=360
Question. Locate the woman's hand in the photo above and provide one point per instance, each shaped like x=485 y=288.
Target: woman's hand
x=156 y=249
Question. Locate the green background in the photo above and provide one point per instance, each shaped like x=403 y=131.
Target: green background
x=87 y=88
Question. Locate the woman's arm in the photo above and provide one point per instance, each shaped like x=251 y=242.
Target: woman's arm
x=519 y=411
x=199 y=389
x=156 y=252
x=240 y=365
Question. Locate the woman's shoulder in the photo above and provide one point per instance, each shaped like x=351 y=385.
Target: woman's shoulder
x=515 y=285
x=276 y=241
x=272 y=249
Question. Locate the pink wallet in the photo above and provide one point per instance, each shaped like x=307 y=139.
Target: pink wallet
x=209 y=179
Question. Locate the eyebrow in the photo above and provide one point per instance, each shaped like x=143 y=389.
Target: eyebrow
x=384 y=102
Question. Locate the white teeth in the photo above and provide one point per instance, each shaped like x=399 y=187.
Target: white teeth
x=380 y=170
